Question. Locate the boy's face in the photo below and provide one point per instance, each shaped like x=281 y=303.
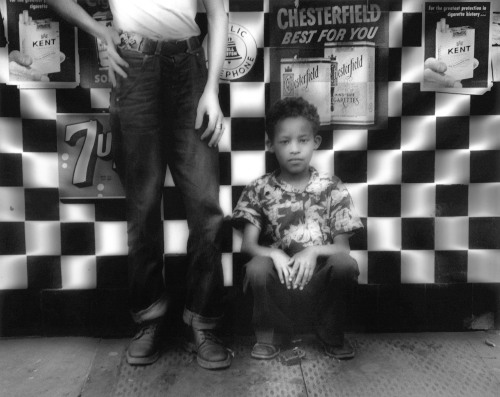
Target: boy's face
x=293 y=144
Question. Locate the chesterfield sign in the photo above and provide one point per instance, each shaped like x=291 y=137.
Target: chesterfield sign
x=317 y=22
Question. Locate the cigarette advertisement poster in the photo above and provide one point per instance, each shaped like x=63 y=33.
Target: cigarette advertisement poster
x=93 y=55
x=495 y=45
x=335 y=55
x=86 y=168
x=457 y=43
x=42 y=46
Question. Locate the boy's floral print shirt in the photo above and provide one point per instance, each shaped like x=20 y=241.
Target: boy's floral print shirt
x=290 y=219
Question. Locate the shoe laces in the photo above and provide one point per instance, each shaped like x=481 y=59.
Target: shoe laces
x=151 y=328
x=207 y=335
x=147 y=329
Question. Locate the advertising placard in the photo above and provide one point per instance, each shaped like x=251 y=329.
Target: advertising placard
x=86 y=169
x=93 y=55
x=495 y=45
x=42 y=46
x=347 y=44
x=353 y=82
x=457 y=43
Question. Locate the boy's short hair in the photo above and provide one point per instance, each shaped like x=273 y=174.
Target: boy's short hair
x=291 y=107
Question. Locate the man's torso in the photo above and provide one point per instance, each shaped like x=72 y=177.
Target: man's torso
x=156 y=19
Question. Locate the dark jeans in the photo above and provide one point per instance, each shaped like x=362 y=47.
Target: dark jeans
x=326 y=295
x=152 y=116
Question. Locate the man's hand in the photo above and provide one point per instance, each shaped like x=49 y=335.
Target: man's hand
x=209 y=105
x=117 y=64
x=304 y=263
x=20 y=68
x=434 y=73
x=282 y=265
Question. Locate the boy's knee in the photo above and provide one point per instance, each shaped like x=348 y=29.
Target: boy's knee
x=258 y=270
x=344 y=267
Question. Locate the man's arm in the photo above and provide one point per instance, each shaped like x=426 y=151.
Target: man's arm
x=217 y=43
x=75 y=14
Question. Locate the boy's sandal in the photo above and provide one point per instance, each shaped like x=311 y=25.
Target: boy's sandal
x=264 y=351
x=343 y=352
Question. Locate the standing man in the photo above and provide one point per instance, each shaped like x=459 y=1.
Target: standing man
x=164 y=110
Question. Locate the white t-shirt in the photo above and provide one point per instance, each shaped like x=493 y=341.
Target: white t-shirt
x=156 y=19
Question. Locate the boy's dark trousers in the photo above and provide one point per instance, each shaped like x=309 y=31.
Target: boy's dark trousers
x=326 y=294
x=152 y=115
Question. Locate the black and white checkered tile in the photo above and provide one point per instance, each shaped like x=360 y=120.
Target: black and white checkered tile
x=427 y=187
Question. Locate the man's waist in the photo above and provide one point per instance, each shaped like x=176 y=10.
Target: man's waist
x=136 y=42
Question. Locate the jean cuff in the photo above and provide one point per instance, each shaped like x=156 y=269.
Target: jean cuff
x=200 y=322
x=330 y=338
x=156 y=310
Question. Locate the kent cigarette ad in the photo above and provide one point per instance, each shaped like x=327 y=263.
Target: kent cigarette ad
x=457 y=43
x=335 y=55
x=42 y=46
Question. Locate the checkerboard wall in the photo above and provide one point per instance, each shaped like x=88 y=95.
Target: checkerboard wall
x=427 y=187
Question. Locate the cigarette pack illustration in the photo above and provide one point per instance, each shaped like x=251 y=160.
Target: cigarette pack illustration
x=353 y=82
x=103 y=18
x=455 y=47
x=309 y=78
x=40 y=40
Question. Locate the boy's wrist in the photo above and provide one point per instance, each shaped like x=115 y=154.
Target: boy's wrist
x=315 y=250
x=273 y=252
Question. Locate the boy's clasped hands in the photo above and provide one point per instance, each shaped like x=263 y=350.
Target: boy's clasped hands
x=295 y=271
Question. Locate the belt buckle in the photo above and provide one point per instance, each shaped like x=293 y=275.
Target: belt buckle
x=186 y=45
x=130 y=41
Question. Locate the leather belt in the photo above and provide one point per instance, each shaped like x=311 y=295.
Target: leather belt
x=145 y=45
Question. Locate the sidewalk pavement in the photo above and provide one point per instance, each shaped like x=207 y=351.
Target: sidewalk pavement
x=420 y=364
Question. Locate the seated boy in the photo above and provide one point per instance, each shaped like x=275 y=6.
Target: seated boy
x=296 y=226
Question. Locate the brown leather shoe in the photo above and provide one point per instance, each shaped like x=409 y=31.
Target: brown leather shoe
x=210 y=352
x=264 y=351
x=144 y=348
x=342 y=351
